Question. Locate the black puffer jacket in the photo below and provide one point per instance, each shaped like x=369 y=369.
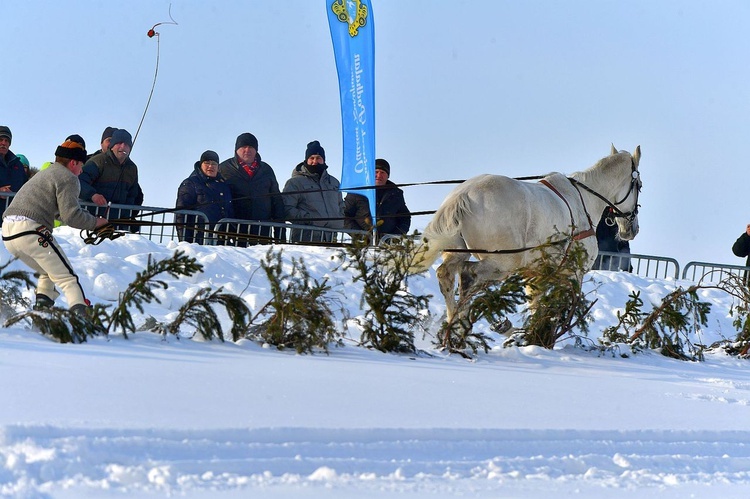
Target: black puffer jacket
x=257 y=197
x=741 y=247
x=393 y=216
x=199 y=192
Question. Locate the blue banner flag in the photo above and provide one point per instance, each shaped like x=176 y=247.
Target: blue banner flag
x=353 y=37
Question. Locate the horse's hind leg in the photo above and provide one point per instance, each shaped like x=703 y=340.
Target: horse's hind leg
x=473 y=276
x=446 y=274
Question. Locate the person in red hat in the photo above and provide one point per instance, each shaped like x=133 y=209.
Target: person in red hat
x=28 y=222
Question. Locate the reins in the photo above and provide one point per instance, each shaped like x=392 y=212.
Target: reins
x=109 y=232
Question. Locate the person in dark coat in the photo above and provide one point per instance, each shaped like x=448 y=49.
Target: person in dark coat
x=741 y=248
x=112 y=177
x=255 y=190
x=606 y=238
x=205 y=191
x=12 y=173
x=392 y=215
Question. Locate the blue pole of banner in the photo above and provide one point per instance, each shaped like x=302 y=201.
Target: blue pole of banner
x=353 y=37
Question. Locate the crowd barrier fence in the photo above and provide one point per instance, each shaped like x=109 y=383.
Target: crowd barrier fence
x=158 y=225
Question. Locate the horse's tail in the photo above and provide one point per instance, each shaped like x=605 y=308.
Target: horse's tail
x=443 y=232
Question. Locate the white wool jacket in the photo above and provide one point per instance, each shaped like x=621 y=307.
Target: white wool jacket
x=52 y=193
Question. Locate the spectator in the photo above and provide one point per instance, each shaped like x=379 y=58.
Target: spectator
x=312 y=197
x=741 y=248
x=12 y=174
x=204 y=190
x=606 y=238
x=26 y=166
x=112 y=177
x=255 y=190
x=392 y=215
x=106 y=137
x=27 y=226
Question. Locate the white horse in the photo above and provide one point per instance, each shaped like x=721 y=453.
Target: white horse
x=502 y=222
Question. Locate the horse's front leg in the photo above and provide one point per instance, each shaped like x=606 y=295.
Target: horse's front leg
x=446 y=274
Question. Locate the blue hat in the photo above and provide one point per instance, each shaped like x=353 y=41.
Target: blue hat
x=23 y=159
x=121 y=136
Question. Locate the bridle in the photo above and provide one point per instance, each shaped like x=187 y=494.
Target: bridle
x=615 y=212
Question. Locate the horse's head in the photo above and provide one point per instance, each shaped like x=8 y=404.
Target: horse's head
x=625 y=202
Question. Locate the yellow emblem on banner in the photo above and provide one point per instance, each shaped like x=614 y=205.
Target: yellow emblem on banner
x=355 y=18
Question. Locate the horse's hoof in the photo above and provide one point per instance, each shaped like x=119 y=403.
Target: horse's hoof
x=502 y=326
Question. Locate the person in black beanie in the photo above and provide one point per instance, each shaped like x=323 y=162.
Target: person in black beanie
x=106 y=137
x=205 y=191
x=12 y=174
x=255 y=192
x=392 y=215
x=112 y=177
x=312 y=197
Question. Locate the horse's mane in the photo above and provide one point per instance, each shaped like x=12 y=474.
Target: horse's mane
x=601 y=168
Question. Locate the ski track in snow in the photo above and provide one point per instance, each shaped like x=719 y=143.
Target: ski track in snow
x=48 y=461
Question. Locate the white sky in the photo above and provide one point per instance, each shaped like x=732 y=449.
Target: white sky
x=462 y=88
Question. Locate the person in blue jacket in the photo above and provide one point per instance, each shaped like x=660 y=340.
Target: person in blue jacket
x=205 y=191
x=12 y=173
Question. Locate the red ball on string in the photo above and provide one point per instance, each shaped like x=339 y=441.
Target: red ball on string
x=151 y=33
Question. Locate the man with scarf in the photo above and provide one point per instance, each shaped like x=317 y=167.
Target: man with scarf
x=255 y=190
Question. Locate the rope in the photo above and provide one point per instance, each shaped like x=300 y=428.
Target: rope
x=152 y=33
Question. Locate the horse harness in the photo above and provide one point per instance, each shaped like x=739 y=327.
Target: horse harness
x=635 y=184
x=577 y=236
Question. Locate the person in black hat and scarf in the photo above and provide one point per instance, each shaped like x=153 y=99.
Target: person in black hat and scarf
x=255 y=191
x=28 y=222
x=205 y=191
x=312 y=197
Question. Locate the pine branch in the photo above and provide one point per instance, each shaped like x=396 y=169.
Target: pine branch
x=199 y=312
x=60 y=324
x=141 y=290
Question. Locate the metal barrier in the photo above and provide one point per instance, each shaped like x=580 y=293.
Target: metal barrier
x=160 y=227
x=259 y=232
x=644 y=265
x=712 y=272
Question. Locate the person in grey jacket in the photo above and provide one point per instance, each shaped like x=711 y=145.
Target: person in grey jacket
x=28 y=221
x=312 y=197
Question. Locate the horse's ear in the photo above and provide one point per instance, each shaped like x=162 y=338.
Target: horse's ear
x=614 y=150
x=637 y=155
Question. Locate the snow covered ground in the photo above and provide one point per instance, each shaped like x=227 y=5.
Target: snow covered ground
x=150 y=417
